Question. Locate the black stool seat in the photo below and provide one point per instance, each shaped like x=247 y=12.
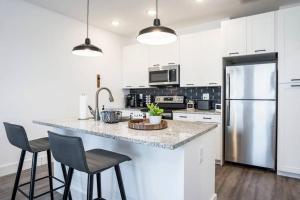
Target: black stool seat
x=39 y=145
x=69 y=151
x=99 y=160
x=17 y=136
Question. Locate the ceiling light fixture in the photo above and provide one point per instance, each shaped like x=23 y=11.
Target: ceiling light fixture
x=157 y=34
x=87 y=49
x=115 y=23
x=151 y=13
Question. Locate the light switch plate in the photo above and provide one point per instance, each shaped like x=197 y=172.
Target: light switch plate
x=205 y=96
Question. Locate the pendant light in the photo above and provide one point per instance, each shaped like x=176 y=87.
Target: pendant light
x=157 y=34
x=87 y=49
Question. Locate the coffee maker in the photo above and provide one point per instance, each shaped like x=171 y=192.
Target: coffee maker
x=131 y=101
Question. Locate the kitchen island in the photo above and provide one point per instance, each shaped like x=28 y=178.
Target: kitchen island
x=176 y=163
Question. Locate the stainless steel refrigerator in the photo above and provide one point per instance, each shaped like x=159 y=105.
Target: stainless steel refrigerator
x=251 y=114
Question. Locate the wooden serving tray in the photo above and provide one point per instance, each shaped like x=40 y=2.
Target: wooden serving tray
x=142 y=124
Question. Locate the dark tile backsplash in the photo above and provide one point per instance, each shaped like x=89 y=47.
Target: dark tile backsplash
x=192 y=93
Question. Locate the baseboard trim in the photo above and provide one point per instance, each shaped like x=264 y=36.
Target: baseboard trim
x=288 y=174
x=214 y=197
x=11 y=168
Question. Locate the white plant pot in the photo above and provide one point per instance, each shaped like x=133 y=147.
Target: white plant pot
x=154 y=119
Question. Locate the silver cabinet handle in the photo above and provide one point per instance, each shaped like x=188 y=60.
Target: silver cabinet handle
x=213 y=83
x=142 y=86
x=156 y=65
x=296 y=79
x=234 y=53
x=206 y=117
x=295 y=85
x=190 y=84
x=183 y=116
x=171 y=63
x=260 y=50
x=128 y=86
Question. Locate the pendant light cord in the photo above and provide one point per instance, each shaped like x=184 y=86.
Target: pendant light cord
x=156 y=9
x=87 y=18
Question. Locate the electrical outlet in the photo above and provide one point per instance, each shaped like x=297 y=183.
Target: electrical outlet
x=205 y=96
x=201 y=155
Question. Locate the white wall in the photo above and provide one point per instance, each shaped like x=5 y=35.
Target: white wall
x=40 y=78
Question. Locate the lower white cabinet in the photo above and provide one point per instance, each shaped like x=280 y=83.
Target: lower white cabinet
x=289 y=128
x=206 y=118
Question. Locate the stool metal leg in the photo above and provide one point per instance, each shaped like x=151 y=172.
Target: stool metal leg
x=22 y=157
x=64 y=171
x=50 y=173
x=90 y=186
x=68 y=183
x=33 y=173
x=120 y=182
x=99 y=185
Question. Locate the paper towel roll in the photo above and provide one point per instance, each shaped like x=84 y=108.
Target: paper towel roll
x=83 y=106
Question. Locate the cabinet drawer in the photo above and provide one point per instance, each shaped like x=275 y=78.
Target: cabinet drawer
x=183 y=117
x=208 y=118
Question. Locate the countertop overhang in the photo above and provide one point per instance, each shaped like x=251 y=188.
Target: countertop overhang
x=177 y=134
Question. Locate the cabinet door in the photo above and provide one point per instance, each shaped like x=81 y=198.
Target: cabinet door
x=164 y=54
x=235 y=37
x=201 y=59
x=135 y=66
x=289 y=45
x=261 y=33
x=183 y=117
x=289 y=128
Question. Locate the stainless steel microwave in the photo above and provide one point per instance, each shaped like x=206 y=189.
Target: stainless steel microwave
x=164 y=75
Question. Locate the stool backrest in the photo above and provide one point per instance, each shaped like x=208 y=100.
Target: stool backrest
x=68 y=150
x=17 y=136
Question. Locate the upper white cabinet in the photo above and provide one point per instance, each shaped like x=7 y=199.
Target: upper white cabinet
x=249 y=35
x=289 y=45
x=261 y=33
x=164 y=54
x=234 y=35
x=201 y=59
x=135 y=66
x=288 y=128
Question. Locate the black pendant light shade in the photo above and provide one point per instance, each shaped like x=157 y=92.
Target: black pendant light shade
x=87 y=49
x=157 y=34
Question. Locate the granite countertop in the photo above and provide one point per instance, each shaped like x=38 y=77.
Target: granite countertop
x=195 y=111
x=177 y=134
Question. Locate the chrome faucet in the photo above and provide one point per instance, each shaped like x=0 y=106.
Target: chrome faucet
x=111 y=99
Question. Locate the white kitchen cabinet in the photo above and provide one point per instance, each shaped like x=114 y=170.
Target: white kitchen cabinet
x=135 y=66
x=234 y=35
x=261 y=33
x=206 y=118
x=164 y=54
x=289 y=45
x=288 y=129
x=201 y=59
x=250 y=35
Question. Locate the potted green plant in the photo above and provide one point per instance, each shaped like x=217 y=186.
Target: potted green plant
x=154 y=113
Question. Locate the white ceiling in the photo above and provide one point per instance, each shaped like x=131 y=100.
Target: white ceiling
x=132 y=14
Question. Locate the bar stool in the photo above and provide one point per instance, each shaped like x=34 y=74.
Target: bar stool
x=70 y=151
x=17 y=136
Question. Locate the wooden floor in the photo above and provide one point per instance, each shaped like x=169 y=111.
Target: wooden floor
x=232 y=183
x=241 y=183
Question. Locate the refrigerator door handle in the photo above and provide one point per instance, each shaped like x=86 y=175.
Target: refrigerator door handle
x=228 y=113
x=227 y=85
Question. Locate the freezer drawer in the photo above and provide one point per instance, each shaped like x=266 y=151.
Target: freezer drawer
x=250 y=132
x=251 y=81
